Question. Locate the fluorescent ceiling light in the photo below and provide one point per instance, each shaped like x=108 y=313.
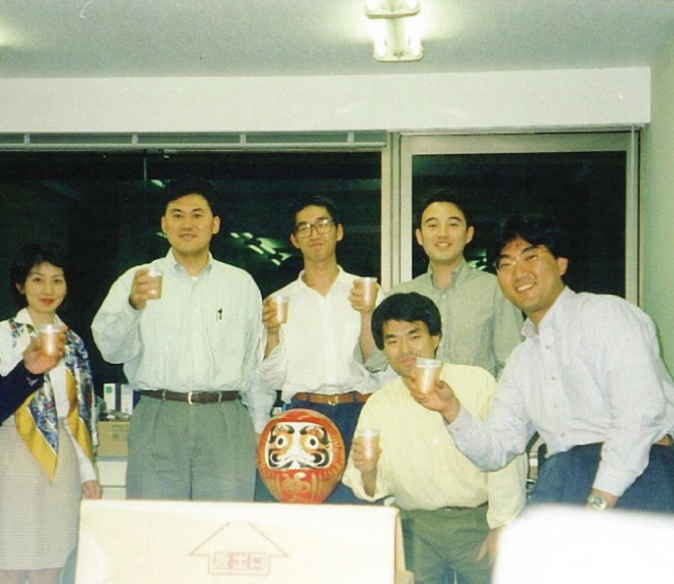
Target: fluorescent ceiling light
x=395 y=31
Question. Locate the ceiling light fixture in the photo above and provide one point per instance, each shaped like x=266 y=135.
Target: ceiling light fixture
x=395 y=30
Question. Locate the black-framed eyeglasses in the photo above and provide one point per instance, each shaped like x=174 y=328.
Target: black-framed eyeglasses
x=528 y=258
x=322 y=226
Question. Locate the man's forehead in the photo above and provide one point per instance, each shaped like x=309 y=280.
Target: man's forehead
x=516 y=246
x=442 y=210
x=394 y=328
x=312 y=212
x=191 y=202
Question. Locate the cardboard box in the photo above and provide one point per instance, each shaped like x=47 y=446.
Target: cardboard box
x=129 y=542
x=112 y=438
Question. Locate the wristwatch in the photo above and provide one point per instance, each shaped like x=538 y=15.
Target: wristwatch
x=597 y=502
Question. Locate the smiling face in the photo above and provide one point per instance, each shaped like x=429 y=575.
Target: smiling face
x=404 y=342
x=316 y=247
x=189 y=225
x=535 y=280
x=443 y=234
x=45 y=288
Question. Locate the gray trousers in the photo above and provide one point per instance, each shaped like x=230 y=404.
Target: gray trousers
x=191 y=452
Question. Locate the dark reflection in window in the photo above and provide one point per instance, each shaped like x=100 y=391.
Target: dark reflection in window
x=104 y=209
x=585 y=190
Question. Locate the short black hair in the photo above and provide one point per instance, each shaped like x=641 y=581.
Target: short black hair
x=405 y=307
x=443 y=195
x=26 y=259
x=296 y=205
x=534 y=228
x=191 y=184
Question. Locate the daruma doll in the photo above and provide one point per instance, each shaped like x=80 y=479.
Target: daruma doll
x=301 y=456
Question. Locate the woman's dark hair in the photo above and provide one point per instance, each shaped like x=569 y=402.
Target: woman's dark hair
x=534 y=228
x=442 y=195
x=405 y=307
x=296 y=205
x=26 y=259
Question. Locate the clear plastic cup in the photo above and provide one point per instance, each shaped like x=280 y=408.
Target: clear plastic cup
x=48 y=334
x=158 y=275
x=281 y=308
x=370 y=441
x=428 y=372
x=370 y=290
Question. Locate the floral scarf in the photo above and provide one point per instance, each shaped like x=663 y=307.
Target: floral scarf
x=36 y=419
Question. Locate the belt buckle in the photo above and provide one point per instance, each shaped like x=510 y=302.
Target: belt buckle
x=189 y=398
x=333 y=399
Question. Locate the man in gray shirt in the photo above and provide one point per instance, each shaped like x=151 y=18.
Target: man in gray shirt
x=479 y=326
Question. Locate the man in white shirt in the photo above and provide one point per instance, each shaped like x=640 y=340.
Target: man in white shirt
x=588 y=378
x=451 y=512
x=317 y=357
x=191 y=348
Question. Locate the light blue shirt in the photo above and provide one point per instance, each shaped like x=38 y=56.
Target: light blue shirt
x=203 y=334
x=591 y=373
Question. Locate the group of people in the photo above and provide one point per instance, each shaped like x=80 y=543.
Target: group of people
x=209 y=357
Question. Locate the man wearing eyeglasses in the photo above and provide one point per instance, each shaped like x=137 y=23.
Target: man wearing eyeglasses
x=479 y=326
x=316 y=358
x=588 y=378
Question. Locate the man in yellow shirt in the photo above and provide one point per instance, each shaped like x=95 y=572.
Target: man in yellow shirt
x=451 y=512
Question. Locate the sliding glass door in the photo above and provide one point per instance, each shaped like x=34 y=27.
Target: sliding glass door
x=587 y=180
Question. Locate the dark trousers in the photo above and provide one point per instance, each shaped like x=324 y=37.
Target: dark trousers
x=567 y=477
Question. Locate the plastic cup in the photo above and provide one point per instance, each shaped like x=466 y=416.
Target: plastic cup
x=370 y=290
x=281 y=308
x=158 y=275
x=428 y=372
x=370 y=441
x=48 y=339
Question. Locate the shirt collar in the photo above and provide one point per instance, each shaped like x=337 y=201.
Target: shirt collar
x=556 y=312
x=341 y=277
x=171 y=261
x=458 y=275
x=23 y=317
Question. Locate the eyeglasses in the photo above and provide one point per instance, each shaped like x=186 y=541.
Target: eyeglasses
x=528 y=258
x=322 y=226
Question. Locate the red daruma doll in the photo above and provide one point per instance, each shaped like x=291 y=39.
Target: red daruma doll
x=301 y=456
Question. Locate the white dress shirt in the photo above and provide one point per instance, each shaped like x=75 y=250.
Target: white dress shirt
x=319 y=349
x=591 y=373
x=203 y=334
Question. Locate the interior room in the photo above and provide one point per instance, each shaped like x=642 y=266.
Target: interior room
x=545 y=105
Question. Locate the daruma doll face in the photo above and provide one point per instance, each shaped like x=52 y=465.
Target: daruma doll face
x=301 y=456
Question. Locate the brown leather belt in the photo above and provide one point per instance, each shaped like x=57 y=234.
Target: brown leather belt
x=333 y=399
x=666 y=440
x=192 y=397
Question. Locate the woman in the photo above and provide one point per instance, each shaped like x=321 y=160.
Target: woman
x=46 y=455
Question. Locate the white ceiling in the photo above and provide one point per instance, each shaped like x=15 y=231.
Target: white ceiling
x=167 y=38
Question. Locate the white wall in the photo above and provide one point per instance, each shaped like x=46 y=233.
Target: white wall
x=468 y=101
x=658 y=204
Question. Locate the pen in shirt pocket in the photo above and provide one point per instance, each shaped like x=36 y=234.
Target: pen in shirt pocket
x=218 y=314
